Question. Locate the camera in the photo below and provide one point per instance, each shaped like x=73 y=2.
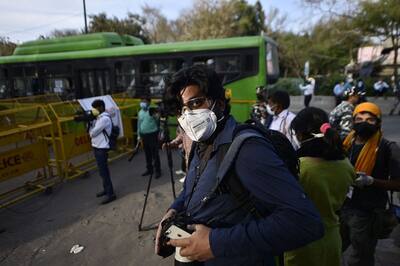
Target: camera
x=176 y=220
x=175 y=227
x=84 y=116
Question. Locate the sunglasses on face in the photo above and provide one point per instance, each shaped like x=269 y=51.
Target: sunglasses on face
x=194 y=104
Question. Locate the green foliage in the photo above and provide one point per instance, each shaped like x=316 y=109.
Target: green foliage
x=381 y=19
x=64 y=33
x=325 y=84
x=132 y=25
x=6 y=46
x=209 y=19
x=291 y=85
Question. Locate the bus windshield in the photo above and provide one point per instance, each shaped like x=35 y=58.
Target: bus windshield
x=272 y=63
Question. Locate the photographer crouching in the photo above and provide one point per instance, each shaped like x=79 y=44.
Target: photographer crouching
x=100 y=125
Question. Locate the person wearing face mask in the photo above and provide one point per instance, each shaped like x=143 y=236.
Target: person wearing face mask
x=225 y=233
x=377 y=161
x=98 y=131
x=147 y=131
x=326 y=175
x=278 y=104
x=341 y=118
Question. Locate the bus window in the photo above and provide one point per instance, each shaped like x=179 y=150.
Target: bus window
x=94 y=83
x=5 y=91
x=153 y=73
x=227 y=66
x=60 y=86
x=19 y=87
x=124 y=76
x=272 y=64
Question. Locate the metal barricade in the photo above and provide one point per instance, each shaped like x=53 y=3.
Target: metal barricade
x=73 y=144
x=26 y=142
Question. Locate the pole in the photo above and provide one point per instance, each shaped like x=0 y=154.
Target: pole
x=84 y=14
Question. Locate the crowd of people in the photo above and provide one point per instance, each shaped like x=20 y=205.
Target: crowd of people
x=260 y=212
x=380 y=88
x=263 y=209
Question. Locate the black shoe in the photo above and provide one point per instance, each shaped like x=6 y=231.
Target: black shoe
x=101 y=194
x=109 y=199
x=147 y=173
x=158 y=175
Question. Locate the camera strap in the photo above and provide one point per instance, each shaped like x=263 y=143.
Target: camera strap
x=204 y=158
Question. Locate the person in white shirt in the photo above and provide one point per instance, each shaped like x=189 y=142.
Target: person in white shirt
x=308 y=90
x=380 y=87
x=278 y=104
x=98 y=131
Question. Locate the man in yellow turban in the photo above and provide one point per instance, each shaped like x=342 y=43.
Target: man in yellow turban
x=377 y=161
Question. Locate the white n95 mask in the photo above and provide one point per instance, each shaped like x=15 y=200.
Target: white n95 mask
x=269 y=110
x=198 y=124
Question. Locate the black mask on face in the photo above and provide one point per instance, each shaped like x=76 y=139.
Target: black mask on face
x=365 y=130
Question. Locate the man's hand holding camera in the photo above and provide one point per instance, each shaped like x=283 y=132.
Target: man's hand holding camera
x=170 y=213
x=197 y=246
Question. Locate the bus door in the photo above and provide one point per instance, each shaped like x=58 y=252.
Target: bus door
x=94 y=82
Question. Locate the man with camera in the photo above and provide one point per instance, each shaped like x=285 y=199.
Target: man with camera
x=224 y=233
x=99 y=129
x=377 y=161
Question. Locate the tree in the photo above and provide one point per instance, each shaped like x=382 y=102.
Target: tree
x=248 y=19
x=157 y=26
x=332 y=8
x=6 y=46
x=275 y=21
x=64 y=33
x=209 y=19
x=381 y=19
x=133 y=24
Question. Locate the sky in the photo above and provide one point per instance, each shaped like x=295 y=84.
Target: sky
x=24 y=20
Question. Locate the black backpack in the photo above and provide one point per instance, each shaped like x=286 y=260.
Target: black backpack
x=227 y=179
x=112 y=138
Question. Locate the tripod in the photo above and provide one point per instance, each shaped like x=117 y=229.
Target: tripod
x=166 y=140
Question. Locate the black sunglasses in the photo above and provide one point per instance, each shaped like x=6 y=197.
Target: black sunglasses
x=194 y=103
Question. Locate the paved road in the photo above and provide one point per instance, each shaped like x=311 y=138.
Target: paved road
x=42 y=230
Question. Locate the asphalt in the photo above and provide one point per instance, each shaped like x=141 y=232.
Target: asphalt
x=42 y=230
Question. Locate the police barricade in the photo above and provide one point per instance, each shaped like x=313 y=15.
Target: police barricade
x=73 y=144
x=26 y=140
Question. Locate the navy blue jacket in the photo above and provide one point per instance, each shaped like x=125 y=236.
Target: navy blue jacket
x=290 y=220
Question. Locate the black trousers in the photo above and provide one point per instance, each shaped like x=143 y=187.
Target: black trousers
x=150 y=145
x=307 y=100
x=101 y=156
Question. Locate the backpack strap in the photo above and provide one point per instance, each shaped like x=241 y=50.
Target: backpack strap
x=227 y=179
x=106 y=136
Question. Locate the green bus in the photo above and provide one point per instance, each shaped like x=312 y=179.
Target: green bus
x=107 y=63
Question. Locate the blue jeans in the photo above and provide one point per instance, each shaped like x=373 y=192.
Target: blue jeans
x=101 y=156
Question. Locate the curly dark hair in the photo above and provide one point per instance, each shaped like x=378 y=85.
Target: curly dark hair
x=206 y=78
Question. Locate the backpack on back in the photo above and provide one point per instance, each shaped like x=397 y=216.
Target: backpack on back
x=227 y=179
x=112 y=138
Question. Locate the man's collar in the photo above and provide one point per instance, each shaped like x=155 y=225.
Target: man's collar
x=281 y=114
x=226 y=134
